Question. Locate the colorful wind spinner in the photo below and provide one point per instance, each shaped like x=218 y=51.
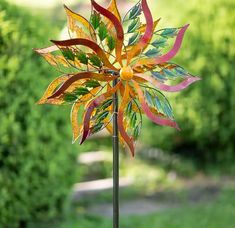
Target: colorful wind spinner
x=105 y=48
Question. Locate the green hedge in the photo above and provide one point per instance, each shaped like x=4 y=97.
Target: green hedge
x=37 y=159
x=206 y=110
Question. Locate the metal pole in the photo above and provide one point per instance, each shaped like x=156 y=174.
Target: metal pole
x=115 y=160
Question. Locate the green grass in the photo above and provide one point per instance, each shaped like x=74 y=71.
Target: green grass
x=218 y=214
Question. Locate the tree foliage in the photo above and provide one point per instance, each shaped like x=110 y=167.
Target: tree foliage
x=206 y=111
x=36 y=161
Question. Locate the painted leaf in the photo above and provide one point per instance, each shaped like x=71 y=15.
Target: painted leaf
x=77 y=77
x=95 y=60
x=90 y=109
x=134 y=39
x=103 y=115
x=137 y=131
x=70 y=97
x=81 y=56
x=106 y=104
x=111 y=42
x=135 y=24
x=160 y=42
x=168 y=32
x=95 y=20
x=68 y=54
x=158 y=75
x=135 y=12
x=92 y=84
x=97 y=127
x=152 y=53
x=102 y=31
x=81 y=91
x=169 y=71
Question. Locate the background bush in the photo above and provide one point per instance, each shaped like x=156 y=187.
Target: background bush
x=206 y=110
x=37 y=160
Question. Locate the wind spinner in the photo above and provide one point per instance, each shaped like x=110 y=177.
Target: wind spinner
x=109 y=58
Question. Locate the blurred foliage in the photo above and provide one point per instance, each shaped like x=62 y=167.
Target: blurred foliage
x=37 y=159
x=217 y=214
x=206 y=110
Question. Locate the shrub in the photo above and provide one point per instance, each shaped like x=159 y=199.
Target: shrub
x=205 y=111
x=37 y=160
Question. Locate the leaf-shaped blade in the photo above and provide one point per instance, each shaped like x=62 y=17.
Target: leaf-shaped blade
x=85 y=29
x=157 y=100
x=155 y=118
x=169 y=55
x=169 y=88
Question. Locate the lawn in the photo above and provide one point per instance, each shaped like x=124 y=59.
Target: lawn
x=218 y=214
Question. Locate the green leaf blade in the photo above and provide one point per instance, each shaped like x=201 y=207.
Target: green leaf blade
x=95 y=20
x=111 y=43
x=81 y=56
x=102 y=31
x=134 y=39
x=152 y=53
x=134 y=25
x=95 y=60
x=81 y=91
x=92 y=84
x=135 y=12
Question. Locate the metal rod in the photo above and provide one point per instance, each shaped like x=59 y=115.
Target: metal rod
x=115 y=160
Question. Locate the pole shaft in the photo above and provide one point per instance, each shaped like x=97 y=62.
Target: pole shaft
x=115 y=160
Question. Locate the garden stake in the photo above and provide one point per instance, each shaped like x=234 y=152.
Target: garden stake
x=108 y=58
x=115 y=160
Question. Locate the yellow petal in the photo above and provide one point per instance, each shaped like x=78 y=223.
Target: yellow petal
x=49 y=91
x=76 y=127
x=74 y=121
x=73 y=18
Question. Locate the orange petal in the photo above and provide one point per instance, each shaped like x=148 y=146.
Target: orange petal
x=128 y=140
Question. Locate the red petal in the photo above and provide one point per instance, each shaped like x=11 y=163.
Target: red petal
x=83 y=75
x=184 y=84
x=148 y=32
x=117 y=25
